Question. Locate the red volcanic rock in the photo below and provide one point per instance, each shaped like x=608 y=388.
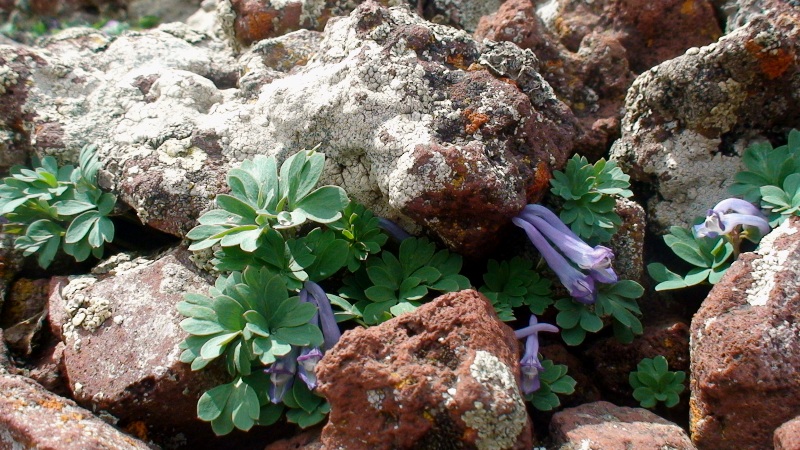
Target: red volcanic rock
x=122 y=335
x=787 y=436
x=746 y=347
x=604 y=426
x=31 y=417
x=590 y=50
x=24 y=312
x=613 y=361
x=443 y=375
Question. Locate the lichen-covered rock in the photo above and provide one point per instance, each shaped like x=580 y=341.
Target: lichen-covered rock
x=590 y=50
x=6 y=365
x=628 y=241
x=745 y=347
x=416 y=119
x=604 y=426
x=444 y=376
x=121 y=334
x=31 y=417
x=16 y=65
x=688 y=120
x=787 y=436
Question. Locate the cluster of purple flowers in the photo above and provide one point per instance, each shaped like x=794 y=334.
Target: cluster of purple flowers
x=578 y=265
x=303 y=361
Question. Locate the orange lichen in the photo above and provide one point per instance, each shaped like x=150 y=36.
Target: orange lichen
x=541 y=180
x=688 y=7
x=470 y=435
x=773 y=63
x=457 y=60
x=51 y=404
x=474 y=120
x=138 y=429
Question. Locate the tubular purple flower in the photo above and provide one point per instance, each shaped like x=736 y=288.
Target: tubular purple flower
x=308 y=359
x=579 y=285
x=595 y=259
x=530 y=366
x=330 y=330
x=394 y=230
x=720 y=221
x=281 y=374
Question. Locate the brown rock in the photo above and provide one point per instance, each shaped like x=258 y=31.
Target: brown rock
x=746 y=347
x=5 y=364
x=306 y=440
x=24 y=313
x=122 y=338
x=787 y=436
x=31 y=417
x=628 y=242
x=604 y=426
x=48 y=369
x=613 y=361
x=444 y=376
x=590 y=51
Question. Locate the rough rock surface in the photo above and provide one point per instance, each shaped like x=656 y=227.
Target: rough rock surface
x=121 y=334
x=604 y=426
x=24 y=313
x=746 y=347
x=31 y=417
x=590 y=52
x=416 y=118
x=613 y=361
x=5 y=364
x=444 y=376
x=689 y=119
x=787 y=436
x=628 y=242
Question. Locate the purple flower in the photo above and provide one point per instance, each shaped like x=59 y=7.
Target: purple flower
x=324 y=316
x=281 y=374
x=394 y=230
x=720 y=219
x=529 y=364
x=597 y=260
x=307 y=361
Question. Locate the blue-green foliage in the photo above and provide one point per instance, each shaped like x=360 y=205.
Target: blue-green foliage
x=589 y=192
x=710 y=256
x=512 y=284
x=51 y=207
x=554 y=382
x=653 y=382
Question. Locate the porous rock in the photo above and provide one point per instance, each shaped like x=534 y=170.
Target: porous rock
x=689 y=119
x=32 y=417
x=787 y=436
x=5 y=364
x=443 y=376
x=614 y=361
x=745 y=349
x=24 y=313
x=122 y=334
x=628 y=241
x=591 y=51
x=416 y=119
x=605 y=426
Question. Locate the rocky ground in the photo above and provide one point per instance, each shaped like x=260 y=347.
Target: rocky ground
x=447 y=116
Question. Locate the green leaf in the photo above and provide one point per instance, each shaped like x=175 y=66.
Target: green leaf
x=324 y=205
x=303 y=335
x=72 y=207
x=212 y=403
x=200 y=327
x=81 y=226
x=236 y=206
x=216 y=345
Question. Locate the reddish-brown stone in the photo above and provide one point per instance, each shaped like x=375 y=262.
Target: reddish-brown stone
x=604 y=426
x=746 y=347
x=129 y=366
x=613 y=361
x=31 y=417
x=24 y=312
x=787 y=436
x=443 y=375
x=306 y=440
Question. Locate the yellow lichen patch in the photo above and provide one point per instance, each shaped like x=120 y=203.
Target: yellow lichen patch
x=541 y=180
x=474 y=121
x=774 y=62
x=72 y=417
x=51 y=404
x=405 y=382
x=428 y=416
x=470 y=435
